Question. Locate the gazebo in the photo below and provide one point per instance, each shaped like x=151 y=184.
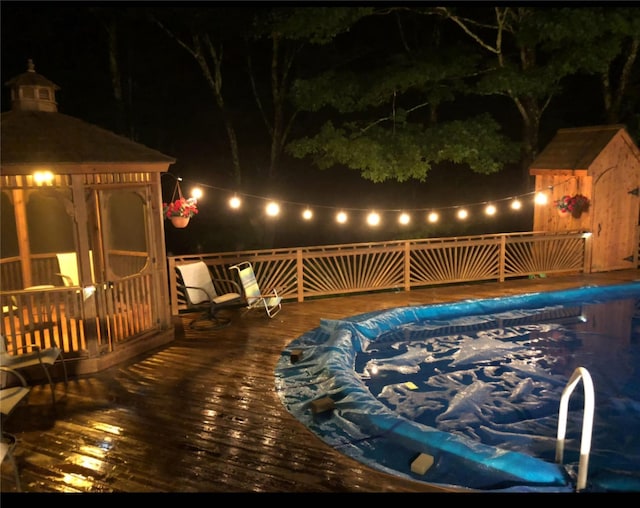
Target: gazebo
x=82 y=253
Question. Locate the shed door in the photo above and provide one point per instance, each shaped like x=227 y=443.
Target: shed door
x=616 y=219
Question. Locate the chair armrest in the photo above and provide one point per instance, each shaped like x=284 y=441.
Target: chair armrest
x=68 y=281
x=183 y=289
x=229 y=282
x=14 y=373
x=34 y=348
x=271 y=293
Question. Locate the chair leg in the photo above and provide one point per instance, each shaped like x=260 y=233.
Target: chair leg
x=51 y=385
x=64 y=368
x=11 y=444
x=213 y=321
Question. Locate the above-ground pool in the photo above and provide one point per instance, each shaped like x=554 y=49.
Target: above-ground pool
x=466 y=395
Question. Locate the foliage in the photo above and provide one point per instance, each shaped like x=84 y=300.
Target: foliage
x=402 y=73
x=409 y=151
x=181 y=207
x=316 y=25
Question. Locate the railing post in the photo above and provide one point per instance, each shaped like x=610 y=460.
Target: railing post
x=586 y=258
x=407 y=265
x=173 y=285
x=502 y=256
x=300 y=275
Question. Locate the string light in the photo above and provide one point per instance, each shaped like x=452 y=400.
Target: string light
x=272 y=209
x=541 y=198
x=375 y=218
x=234 y=202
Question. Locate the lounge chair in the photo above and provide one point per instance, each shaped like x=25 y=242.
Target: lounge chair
x=68 y=265
x=197 y=290
x=13 y=390
x=44 y=357
x=270 y=301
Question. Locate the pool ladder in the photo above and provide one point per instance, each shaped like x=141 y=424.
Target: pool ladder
x=587 y=422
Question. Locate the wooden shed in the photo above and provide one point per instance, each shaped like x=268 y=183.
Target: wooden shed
x=82 y=257
x=603 y=164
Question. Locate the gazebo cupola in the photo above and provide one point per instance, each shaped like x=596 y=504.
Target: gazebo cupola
x=32 y=92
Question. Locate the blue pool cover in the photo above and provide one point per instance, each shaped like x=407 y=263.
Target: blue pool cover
x=362 y=427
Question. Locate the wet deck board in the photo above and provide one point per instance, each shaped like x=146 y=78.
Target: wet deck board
x=202 y=413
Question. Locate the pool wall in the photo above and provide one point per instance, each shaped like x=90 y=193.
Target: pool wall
x=360 y=426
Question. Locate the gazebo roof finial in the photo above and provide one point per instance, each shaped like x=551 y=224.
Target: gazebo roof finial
x=30 y=66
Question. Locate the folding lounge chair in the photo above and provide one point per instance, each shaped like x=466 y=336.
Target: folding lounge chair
x=197 y=290
x=254 y=298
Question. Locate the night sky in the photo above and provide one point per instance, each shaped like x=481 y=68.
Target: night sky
x=175 y=114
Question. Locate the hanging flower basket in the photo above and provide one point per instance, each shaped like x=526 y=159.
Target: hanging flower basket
x=180 y=222
x=179 y=210
x=572 y=205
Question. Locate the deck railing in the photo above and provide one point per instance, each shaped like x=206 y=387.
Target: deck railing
x=88 y=326
x=309 y=272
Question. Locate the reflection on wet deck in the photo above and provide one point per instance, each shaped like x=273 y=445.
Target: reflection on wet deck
x=201 y=414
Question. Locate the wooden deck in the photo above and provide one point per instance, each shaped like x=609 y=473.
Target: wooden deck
x=202 y=414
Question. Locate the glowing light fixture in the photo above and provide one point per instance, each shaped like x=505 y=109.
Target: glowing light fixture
x=373 y=219
x=272 y=209
x=307 y=214
x=541 y=198
x=516 y=204
x=490 y=210
x=433 y=217
x=404 y=218
x=235 y=202
x=43 y=177
x=462 y=213
x=341 y=217
x=196 y=193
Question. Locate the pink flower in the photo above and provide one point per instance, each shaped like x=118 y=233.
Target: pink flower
x=180 y=208
x=574 y=205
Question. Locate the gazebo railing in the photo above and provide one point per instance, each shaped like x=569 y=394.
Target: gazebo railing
x=84 y=322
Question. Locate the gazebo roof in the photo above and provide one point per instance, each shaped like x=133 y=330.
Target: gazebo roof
x=39 y=137
x=34 y=133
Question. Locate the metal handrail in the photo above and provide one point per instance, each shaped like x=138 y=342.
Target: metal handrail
x=587 y=422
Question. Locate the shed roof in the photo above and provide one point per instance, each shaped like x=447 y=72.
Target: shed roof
x=575 y=149
x=37 y=137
